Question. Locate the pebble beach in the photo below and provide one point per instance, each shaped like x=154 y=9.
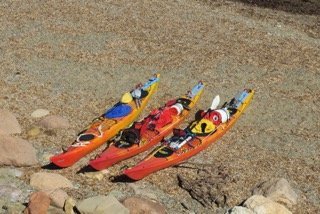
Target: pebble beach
x=62 y=64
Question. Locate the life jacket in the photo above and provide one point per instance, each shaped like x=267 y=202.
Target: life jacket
x=202 y=127
x=209 y=121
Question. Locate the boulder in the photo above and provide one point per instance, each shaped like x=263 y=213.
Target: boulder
x=278 y=190
x=54 y=122
x=57 y=196
x=101 y=204
x=8 y=123
x=138 y=205
x=16 y=152
x=39 y=203
x=262 y=205
x=239 y=210
x=49 y=181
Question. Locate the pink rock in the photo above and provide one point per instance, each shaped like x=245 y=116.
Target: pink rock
x=16 y=151
x=138 y=205
x=8 y=123
x=54 y=122
x=39 y=203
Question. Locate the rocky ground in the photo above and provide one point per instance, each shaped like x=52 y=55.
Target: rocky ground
x=75 y=59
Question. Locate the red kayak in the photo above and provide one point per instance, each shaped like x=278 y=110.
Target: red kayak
x=209 y=127
x=143 y=135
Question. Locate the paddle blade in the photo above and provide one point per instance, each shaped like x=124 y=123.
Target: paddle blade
x=215 y=102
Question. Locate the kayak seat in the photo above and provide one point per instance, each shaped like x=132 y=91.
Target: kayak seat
x=184 y=102
x=128 y=138
x=202 y=128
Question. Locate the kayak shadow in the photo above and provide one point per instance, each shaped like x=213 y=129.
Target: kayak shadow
x=121 y=179
x=51 y=166
x=86 y=169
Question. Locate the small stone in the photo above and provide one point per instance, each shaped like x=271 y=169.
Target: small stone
x=239 y=210
x=55 y=210
x=101 y=204
x=14 y=208
x=33 y=132
x=278 y=190
x=8 y=123
x=39 y=113
x=16 y=152
x=10 y=193
x=54 y=122
x=262 y=205
x=58 y=197
x=69 y=205
x=99 y=175
x=138 y=205
x=39 y=203
x=49 y=181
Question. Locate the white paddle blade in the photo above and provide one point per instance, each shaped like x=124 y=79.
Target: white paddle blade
x=215 y=102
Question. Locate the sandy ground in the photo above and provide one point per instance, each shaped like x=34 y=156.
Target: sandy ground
x=76 y=58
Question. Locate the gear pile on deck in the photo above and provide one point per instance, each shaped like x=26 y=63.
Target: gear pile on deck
x=144 y=134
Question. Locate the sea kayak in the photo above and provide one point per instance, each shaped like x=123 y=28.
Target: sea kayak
x=106 y=126
x=146 y=133
x=206 y=129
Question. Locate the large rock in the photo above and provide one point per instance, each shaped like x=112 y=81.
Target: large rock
x=39 y=203
x=8 y=123
x=138 y=205
x=57 y=196
x=16 y=152
x=10 y=193
x=278 y=190
x=262 y=205
x=239 y=210
x=101 y=204
x=54 y=122
x=49 y=181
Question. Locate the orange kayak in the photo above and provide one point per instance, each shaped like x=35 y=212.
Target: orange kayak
x=108 y=124
x=209 y=127
x=144 y=134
